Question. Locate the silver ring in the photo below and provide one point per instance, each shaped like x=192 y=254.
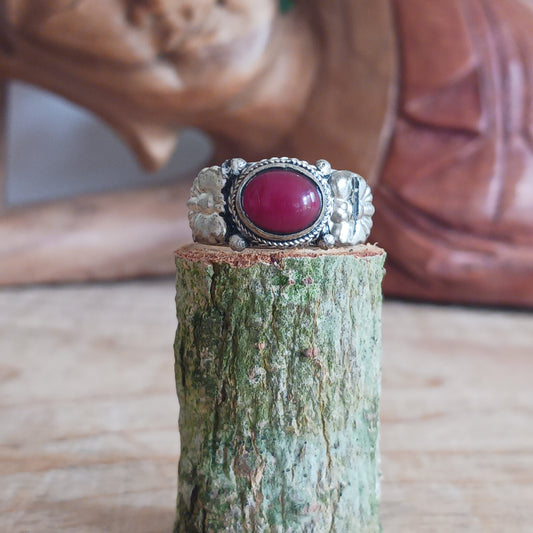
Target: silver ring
x=280 y=202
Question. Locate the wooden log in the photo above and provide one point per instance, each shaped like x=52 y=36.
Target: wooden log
x=278 y=378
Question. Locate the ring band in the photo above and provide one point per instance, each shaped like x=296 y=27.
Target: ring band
x=279 y=203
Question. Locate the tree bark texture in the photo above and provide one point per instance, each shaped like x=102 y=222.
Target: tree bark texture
x=278 y=378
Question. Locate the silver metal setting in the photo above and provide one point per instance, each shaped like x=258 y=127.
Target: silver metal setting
x=217 y=216
x=206 y=205
x=258 y=236
x=351 y=220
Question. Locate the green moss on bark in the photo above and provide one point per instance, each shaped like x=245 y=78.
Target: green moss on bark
x=278 y=378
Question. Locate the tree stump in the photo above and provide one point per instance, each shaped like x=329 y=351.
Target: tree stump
x=278 y=376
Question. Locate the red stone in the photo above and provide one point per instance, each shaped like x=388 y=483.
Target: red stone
x=281 y=201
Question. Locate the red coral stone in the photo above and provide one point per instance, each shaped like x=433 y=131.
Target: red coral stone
x=281 y=201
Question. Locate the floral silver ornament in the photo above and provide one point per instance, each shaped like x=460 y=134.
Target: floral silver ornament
x=350 y=193
x=206 y=205
x=365 y=212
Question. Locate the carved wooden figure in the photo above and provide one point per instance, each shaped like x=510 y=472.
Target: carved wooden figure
x=431 y=101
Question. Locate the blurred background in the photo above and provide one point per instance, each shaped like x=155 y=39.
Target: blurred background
x=73 y=152
x=431 y=101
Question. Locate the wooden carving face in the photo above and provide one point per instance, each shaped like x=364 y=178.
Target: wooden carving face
x=432 y=101
x=134 y=61
x=177 y=44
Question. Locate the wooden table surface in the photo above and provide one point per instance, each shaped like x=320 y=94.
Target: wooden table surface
x=88 y=413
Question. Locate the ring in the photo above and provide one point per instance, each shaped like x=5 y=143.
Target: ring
x=279 y=203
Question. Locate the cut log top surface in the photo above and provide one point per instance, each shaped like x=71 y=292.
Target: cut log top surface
x=251 y=256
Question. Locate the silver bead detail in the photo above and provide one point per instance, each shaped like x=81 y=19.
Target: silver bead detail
x=237 y=243
x=324 y=167
x=237 y=164
x=327 y=241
